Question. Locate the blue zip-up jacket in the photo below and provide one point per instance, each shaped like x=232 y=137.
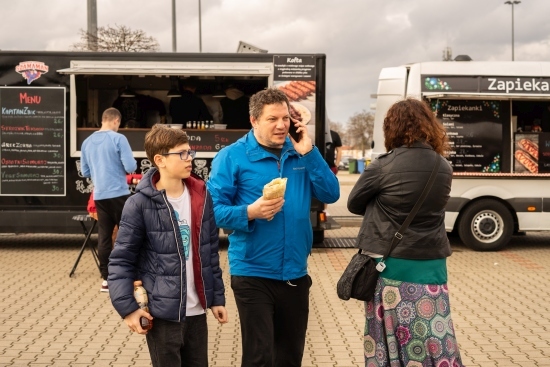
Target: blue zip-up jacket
x=149 y=248
x=276 y=249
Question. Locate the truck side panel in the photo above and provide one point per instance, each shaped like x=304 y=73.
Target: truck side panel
x=391 y=88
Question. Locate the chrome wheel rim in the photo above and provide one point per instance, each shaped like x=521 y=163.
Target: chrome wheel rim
x=487 y=226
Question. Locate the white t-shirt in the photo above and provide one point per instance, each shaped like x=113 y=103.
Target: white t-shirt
x=182 y=207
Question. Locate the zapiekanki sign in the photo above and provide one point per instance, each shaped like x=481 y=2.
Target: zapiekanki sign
x=485 y=84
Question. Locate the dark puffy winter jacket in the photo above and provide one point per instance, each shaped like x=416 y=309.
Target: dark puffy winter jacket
x=149 y=248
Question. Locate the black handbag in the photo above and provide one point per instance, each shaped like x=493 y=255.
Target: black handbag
x=361 y=275
x=359 y=279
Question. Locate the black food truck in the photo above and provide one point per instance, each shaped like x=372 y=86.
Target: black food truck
x=51 y=101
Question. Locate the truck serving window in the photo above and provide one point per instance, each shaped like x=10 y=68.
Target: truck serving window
x=531 y=134
x=143 y=92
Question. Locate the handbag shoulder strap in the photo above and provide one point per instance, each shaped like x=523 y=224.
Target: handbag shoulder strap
x=399 y=234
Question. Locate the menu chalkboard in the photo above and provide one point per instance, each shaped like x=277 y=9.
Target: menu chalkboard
x=213 y=140
x=32 y=141
x=474 y=128
x=203 y=141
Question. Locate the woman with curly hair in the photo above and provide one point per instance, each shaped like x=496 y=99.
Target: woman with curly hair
x=408 y=322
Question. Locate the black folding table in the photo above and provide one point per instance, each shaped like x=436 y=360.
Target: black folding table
x=87 y=242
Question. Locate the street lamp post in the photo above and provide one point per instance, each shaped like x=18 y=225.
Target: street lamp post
x=92 y=25
x=174 y=48
x=514 y=2
x=200 y=28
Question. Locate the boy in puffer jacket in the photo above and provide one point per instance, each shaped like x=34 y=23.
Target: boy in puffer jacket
x=168 y=239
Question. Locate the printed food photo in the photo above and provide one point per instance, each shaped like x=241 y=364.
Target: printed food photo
x=300 y=112
x=298 y=90
x=527 y=155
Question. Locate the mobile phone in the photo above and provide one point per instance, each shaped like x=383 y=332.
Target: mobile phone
x=292 y=130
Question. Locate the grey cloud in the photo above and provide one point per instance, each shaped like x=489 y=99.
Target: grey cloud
x=359 y=37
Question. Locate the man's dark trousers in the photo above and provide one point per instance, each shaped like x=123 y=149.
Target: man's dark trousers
x=109 y=212
x=273 y=316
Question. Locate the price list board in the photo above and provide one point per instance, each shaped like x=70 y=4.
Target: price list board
x=474 y=129
x=32 y=141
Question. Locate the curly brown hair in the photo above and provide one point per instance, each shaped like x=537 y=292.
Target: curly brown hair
x=409 y=121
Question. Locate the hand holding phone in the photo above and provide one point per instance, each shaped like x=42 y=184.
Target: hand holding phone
x=293 y=131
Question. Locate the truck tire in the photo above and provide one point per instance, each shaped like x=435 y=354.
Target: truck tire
x=318 y=236
x=486 y=225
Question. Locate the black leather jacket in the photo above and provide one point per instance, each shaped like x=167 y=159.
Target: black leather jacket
x=387 y=191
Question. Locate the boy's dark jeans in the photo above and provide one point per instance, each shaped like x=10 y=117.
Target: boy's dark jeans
x=179 y=344
x=109 y=212
x=273 y=316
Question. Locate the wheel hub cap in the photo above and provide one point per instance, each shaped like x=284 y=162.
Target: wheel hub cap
x=487 y=226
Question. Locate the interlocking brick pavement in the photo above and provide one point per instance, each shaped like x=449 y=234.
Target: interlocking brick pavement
x=499 y=302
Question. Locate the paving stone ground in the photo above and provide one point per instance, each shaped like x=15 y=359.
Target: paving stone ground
x=499 y=302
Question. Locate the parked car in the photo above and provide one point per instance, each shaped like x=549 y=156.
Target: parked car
x=344 y=163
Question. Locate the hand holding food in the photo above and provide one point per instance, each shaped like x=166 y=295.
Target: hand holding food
x=271 y=201
x=275 y=189
x=264 y=208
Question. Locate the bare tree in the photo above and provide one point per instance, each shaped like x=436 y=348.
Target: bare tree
x=116 y=39
x=360 y=130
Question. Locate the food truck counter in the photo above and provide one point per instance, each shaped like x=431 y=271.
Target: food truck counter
x=497 y=175
x=207 y=142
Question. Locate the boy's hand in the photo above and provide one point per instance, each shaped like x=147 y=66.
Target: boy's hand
x=132 y=320
x=220 y=313
x=264 y=209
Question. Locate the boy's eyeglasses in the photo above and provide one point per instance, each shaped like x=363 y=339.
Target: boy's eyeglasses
x=184 y=154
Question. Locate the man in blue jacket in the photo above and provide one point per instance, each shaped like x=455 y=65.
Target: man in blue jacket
x=106 y=158
x=271 y=239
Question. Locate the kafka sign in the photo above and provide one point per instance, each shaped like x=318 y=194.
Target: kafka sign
x=486 y=84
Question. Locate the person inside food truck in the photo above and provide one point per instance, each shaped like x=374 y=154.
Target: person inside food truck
x=154 y=111
x=130 y=110
x=188 y=107
x=536 y=126
x=235 y=109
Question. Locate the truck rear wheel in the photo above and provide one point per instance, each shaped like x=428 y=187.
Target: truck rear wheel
x=486 y=225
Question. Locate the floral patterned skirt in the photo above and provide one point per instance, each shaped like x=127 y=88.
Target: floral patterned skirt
x=410 y=325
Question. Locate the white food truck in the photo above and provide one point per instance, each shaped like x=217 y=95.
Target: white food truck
x=497 y=116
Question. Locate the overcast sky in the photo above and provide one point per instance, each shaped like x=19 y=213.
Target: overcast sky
x=359 y=37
